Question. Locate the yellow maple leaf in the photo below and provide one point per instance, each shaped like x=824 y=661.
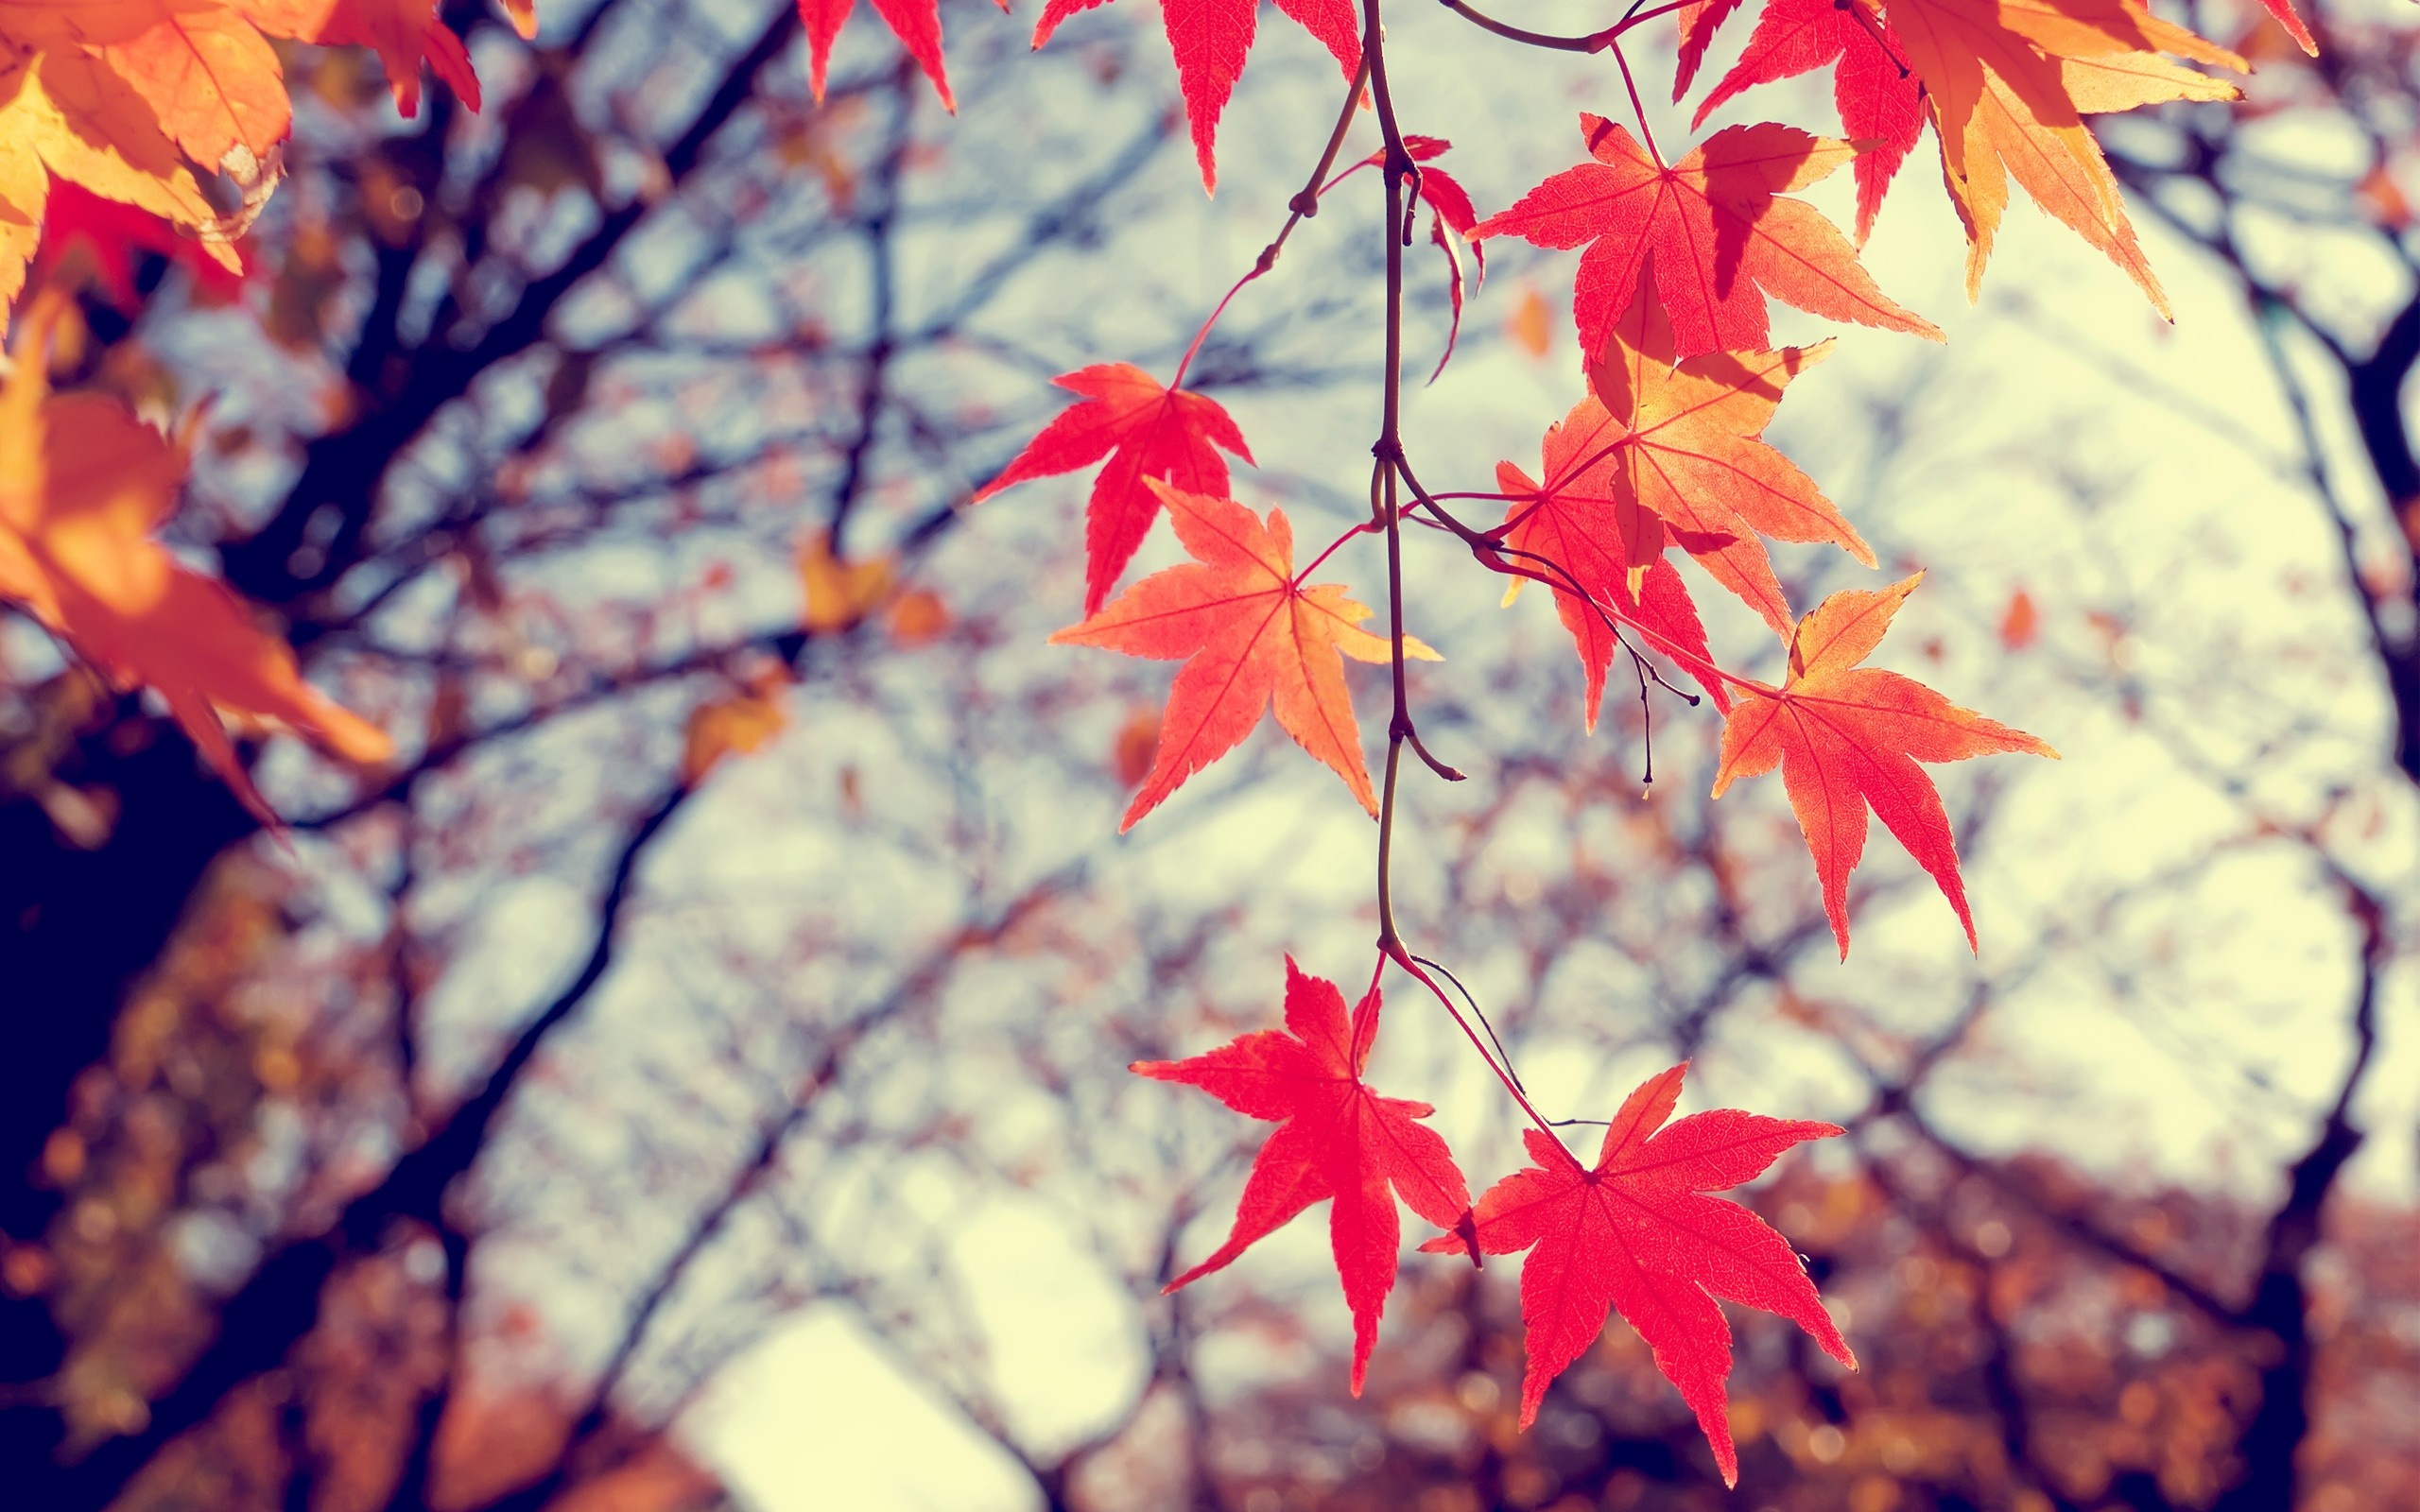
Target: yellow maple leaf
x=735 y=725
x=839 y=594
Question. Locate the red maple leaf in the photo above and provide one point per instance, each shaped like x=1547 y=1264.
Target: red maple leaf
x=1211 y=38
x=1147 y=432
x=1715 y=229
x=1875 y=88
x=2287 y=17
x=1337 y=1140
x=1453 y=221
x=110 y=233
x=1634 y=1235
x=1572 y=521
x=1250 y=636
x=917 y=24
x=1846 y=736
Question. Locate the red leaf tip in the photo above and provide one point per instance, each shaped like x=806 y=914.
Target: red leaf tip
x=1337 y=1141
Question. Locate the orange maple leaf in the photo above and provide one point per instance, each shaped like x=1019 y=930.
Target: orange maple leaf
x=65 y=112
x=212 y=80
x=839 y=594
x=1248 y=636
x=1846 y=736
x=1691 y=467
x=2007 y=83
x=83 y=485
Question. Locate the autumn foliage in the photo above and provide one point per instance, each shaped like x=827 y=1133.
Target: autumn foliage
x=84 y=486
x=1337 y=1141
x=122 y=124
x=1634 y=1233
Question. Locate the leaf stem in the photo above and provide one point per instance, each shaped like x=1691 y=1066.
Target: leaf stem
x=1385 y=507
x=1411 y=964
x=1639 y=109
x=1639 y=17
x=1480 y=1013
x=1358 y=529
x=1387 y=514
x=1595 y=42
x=1492 y=553
x=1301 y=208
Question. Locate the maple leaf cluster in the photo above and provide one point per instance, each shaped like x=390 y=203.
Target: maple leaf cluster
x=119 y=108
x=141 y=102
x=157 y=126
x=2005 y=86
x=1633 y=1233
x=1660 y=461
x=1664 y=452
x=118 y=122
